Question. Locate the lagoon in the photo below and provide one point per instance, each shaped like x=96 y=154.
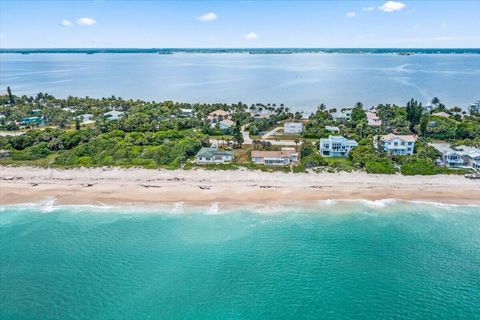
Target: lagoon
x=299 y=80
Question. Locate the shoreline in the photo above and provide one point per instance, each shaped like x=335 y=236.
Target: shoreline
x=135 y=186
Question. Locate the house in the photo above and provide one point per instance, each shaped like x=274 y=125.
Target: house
x=218 y=115
x=284 y=157
x=31 y=120
x=213 y=155
x=474 y=107
x=114 y=115
x=85 y=118
x=68 y=109
x=36 y=111
x=458 y=157
x=470 y=155
x=441 y=114
x=336 y=146
x=186 y=112
x=332 y=129
x=373 y=119
x=259 y=117
x=343 y=115
x=226 y=124
x=293 y=127
x=398 y=144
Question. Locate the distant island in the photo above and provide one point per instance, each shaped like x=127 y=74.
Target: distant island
x=402 y=51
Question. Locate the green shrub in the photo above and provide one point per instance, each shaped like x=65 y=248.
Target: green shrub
x=35 y=152
x=313 y=160
x=380 y=167
x=419 y=167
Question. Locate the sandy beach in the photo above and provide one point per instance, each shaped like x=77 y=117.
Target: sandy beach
x=141 y=186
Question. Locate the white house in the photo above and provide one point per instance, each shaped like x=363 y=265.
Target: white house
x=293 y=127
x=186 y=112
x=373 y=119
x=471 y=156
x=114 y=115
x=398 y=144
x=336 y=146
x=458 y=157
x=343 y=115
x=453 y=159
x=332 y=129
x=85 y=118
x=213 y=155
x=275 y=158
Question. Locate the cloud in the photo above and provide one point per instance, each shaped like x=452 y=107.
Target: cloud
x=86 y=21
x=391 y=6
x=210 y=16
x=351 y=14
x=66 y=23
x=369 y=8
x=251 y=36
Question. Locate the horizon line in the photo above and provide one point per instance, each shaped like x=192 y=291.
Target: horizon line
x=227 y=48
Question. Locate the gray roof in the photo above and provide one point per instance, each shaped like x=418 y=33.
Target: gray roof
x=210 y=152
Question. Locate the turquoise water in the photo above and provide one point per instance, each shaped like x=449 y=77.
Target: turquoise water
x=366 y=260
x=300 y=81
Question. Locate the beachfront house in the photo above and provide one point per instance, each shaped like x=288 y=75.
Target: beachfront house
x=336 y=146
x=332 y=129
x=344 y=115
x=471 y=156
x=373 y=119
x=453 y=159
x=113 y=115
x=284 y=157
x=293 y=127
x=458 y=157
x=398 y=144
x=213 y=156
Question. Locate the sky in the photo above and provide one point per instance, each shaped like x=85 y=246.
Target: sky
x=238 y=24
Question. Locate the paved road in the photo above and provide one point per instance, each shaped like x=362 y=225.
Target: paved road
x=270 y=133
x=248 y=141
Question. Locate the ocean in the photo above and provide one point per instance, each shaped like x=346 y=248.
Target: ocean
x=328 y=260
x=301 y=79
